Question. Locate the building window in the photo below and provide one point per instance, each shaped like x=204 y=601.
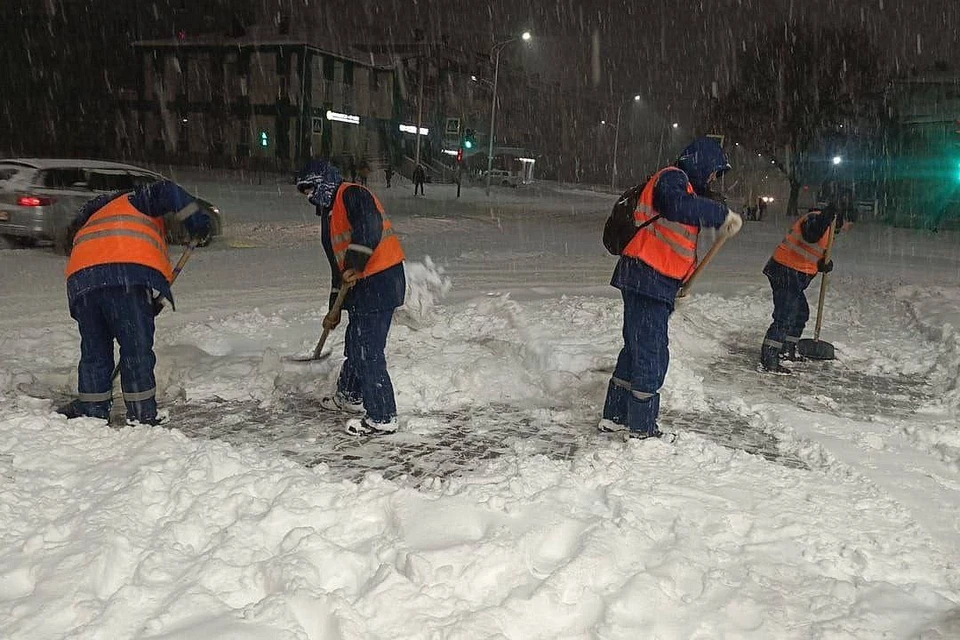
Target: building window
x=243 y=139
x=374 y=80
x=327 y=68
x=348 y=73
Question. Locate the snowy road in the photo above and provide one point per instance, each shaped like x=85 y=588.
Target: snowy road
x=825 y=505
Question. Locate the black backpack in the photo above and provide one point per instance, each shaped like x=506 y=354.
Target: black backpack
x=620 y=229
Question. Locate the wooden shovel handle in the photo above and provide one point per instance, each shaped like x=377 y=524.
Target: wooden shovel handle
x=714 y=250
x=825 y=279
x=337 y=305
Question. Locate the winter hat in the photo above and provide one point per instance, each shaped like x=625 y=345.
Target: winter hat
x=323 y=178
x=700 y=159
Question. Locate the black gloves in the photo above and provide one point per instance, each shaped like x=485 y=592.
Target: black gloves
x=824 y=267
x=198 y=225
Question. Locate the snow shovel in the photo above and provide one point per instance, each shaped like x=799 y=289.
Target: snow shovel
x=316 y=356
x=717 y=244
x=818 y=349
x=176 y=272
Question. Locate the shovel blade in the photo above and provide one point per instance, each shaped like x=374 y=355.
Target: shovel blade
x=307 y=359
x=816 y=349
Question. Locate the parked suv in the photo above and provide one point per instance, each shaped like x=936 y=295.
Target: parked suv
x=39 y=197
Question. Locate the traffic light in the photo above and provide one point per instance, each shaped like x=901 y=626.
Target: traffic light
x=460 y=154
x=469 y=139
x=264 y=139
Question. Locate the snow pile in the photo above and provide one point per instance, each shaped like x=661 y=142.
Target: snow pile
x=936 y=313
x=130 y=533
x=426 y=287
x=144 y=533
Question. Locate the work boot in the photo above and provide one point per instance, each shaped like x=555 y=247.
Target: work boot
x=158 y=420
x=366 y=427
x=656 y=433
x=80 y=409
x=790 y=354
x=609 y=426
x=775 y=368
x=338 y=402
x=770 y=360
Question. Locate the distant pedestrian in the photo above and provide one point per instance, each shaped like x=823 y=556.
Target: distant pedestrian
x=363 y=172
x=419 y=177
x=388 y=175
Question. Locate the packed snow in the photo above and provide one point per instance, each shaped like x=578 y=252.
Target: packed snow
x=821 y=506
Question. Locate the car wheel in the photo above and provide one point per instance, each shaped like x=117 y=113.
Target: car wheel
x=16 y=242
x=63 y=242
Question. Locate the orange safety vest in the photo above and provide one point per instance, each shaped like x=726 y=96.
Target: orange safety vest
x=668 y=247
x=385 y=255
x=796 y=253
x=119 y=233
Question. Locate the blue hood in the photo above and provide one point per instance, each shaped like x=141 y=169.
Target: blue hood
x=699 y=159
x=162 y=197
x=324 y=178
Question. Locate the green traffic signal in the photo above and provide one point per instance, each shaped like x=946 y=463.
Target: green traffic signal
x=469 y=139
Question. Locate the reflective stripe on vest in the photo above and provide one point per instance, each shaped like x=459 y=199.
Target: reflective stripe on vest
x=796 y=253
x=385 y=255
x=119 y=233
x=668 y=247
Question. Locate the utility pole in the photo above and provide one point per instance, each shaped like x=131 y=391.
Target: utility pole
x=420 y=64
x=419 y=109
x=495 y=52
x=493 y=113
x=616 y=142
x=459 y=175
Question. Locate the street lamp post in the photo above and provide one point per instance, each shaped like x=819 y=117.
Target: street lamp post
x=495 y=52
x=419 y=110
x=616 y=143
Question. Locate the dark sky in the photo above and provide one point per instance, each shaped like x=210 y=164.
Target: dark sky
x=670 y=52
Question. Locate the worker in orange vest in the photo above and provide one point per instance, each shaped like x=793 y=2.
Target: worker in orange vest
x=364 y=252
x=795 y=263
x=118 y=259
x=673 y=206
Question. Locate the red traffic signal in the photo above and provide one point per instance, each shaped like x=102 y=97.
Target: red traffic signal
x=460 y=155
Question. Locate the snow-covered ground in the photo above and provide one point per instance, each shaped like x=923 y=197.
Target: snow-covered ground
x=821 y=506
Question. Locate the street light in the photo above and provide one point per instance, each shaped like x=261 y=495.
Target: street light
x=495 y=53
x=616 y=141
x=837 y=160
